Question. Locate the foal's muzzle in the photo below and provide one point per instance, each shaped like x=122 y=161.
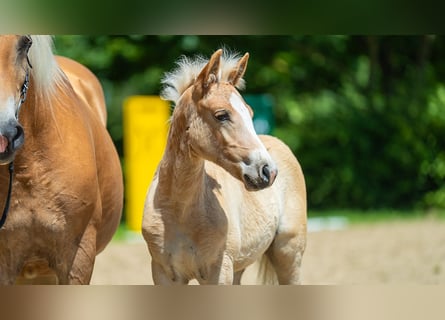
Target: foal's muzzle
x=11 y=139
x=262 y=177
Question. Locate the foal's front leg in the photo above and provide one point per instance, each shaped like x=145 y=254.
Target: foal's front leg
x=161 y=277
x=220 y=273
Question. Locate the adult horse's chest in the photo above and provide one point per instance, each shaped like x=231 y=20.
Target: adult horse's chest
x=45 y=201
x=41 y=231
x=37 y=230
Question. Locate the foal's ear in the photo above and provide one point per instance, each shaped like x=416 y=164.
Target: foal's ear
x=208 y=75
x=237 y=73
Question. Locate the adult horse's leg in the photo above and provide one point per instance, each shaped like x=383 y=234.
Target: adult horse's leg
x=83 y=263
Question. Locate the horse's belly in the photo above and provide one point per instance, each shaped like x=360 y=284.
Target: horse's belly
x=252 y=249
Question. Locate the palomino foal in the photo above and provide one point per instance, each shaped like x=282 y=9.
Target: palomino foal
x=217 y=202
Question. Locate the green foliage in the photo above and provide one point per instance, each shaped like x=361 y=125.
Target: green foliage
x=363 y=114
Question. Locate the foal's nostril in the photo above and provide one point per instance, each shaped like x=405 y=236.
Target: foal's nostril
x=265 y=173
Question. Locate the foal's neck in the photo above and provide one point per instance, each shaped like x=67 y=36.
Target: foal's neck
x=181 y=173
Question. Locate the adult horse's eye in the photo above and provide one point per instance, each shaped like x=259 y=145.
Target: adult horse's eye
x=222 y=115
x=23 y=46
x=24 y=43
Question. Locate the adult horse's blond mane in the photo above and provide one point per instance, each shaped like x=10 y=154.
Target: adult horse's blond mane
x=46 y=73
x=188 y=69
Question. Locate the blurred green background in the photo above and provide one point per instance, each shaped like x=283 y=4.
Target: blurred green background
x=365 y=115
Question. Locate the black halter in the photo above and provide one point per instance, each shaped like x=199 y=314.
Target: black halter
x=8 y=198
x=23 y=92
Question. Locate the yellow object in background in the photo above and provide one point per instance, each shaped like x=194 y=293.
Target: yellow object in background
x=145 y=125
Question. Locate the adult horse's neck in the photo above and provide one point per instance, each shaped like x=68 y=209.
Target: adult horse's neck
x=181 y=173
x=37 y=116
x=36 y=125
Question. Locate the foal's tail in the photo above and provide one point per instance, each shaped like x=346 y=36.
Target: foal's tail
x=266 y=272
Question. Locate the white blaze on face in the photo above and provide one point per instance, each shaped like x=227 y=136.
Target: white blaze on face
x=239 y=106
x=7 y=111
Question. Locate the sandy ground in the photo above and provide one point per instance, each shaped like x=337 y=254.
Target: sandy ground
x=402 y=252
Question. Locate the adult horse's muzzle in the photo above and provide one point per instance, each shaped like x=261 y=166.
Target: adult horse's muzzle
x=11 y=139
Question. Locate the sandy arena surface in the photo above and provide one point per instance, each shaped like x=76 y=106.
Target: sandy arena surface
x=400 y=252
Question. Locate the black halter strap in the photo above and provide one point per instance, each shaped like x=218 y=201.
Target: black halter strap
x=8 y=197
x=23 y=92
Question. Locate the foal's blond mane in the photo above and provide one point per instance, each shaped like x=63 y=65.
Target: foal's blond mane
x=187 y=70
x=46 y=73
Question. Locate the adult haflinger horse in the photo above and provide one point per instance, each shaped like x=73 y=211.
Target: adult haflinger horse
x=66 y=195
x=216 y=203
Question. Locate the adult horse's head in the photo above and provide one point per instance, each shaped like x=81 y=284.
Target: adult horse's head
x=14 y=77
x=219 y=125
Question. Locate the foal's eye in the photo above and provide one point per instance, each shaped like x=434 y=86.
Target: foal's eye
x=222 y=116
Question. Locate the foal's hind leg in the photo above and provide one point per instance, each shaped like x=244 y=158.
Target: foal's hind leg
x=285 y=254
x=237 y=277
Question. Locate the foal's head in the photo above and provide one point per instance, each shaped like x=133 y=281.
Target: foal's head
x=14 y=73
x=219 y=122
